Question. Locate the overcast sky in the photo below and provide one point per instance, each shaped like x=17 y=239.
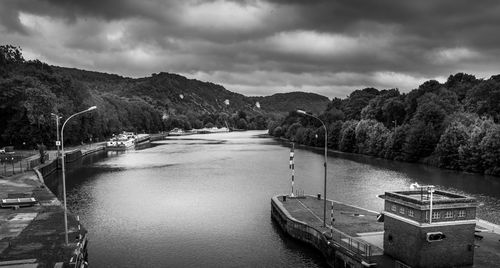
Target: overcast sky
x=258 y=47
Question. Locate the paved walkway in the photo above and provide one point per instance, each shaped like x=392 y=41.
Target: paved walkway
x=35 y=232
x=352 y=226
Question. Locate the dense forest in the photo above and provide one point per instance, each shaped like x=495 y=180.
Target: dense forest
x=454 y=125
x=31 y=91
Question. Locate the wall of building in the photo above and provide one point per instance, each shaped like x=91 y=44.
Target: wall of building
x=423 y=215
x=408 y=243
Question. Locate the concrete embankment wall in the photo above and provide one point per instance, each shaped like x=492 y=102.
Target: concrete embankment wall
x=157 y=137
x=310 y=235
x=93 y=150
x=44 y=170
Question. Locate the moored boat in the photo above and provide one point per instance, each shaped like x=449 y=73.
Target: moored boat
x=121 y=142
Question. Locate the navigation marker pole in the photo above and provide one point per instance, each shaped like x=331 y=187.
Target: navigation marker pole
x=292 y=165
x=331 y=220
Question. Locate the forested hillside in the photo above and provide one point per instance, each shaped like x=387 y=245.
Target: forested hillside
x=454 y=125
x=30 y=91
x=293 y=100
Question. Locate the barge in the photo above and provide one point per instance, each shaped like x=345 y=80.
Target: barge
x=121 y=142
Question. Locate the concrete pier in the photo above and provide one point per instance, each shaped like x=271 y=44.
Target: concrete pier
x=356 y=238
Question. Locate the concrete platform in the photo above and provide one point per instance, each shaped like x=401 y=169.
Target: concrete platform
x=34 y=236
x=353 y=221
x=362 y=225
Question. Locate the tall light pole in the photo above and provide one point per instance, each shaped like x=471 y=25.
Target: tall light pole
x=58 y=142
x=64 y=171
x=326 y=157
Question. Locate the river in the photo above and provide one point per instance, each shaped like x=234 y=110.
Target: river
x=204 y=200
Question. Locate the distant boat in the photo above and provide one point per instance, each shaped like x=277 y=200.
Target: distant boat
x=178 y=132
x=121 y=142
x=210 y=130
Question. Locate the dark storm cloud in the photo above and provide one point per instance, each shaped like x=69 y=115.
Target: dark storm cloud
x=330 y=47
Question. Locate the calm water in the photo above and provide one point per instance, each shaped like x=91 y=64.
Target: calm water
x=204 y=201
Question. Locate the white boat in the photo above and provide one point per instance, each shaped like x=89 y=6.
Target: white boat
x=178 y=132
x=122 y=142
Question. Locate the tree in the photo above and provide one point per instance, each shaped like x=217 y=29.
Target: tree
x=393 y=148
x=490 y=146
x=348 y=136
x=377 y=137
x=460 y=83
x=334 y=130
x=420 y=141
x=277 y=132
x=357 y=100
x=471 y=153
x=447 y=149
x=242 y=123
x=9 y=57
x=484 y=98
x=362 y=139
x=393 y=112
x=412 y=98
x=290 y=133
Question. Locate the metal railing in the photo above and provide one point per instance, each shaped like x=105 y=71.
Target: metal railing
x=356 y=247
x=351 y=244
x=12 y=164
x=9 y=167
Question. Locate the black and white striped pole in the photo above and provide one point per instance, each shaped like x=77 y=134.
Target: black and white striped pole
x=292 y=165
x=331 y=219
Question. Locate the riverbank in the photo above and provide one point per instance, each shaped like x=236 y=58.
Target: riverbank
x=424 y=162
x=34 y=236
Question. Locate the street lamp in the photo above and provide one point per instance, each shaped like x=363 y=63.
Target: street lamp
x=326 y=156
x=58 y=142
x=64 y=171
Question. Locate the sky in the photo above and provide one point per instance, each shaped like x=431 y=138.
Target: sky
x=262 y=47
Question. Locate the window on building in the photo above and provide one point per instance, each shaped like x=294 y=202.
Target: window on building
x=461 y=213
x=402 y=210
x=410 y=213
x=448 y=214
x=435 y=236
x=393 y=208
x=435 y=215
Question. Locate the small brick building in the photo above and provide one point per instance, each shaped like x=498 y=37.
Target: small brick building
x=444 y=240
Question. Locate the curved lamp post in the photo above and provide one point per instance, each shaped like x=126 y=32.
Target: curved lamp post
x=326 y=156
x=64 y=171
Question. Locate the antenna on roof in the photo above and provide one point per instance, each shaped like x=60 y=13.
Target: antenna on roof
x=430 y=190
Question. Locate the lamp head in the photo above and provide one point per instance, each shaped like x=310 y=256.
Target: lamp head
x=301 y=112
x=92 y=108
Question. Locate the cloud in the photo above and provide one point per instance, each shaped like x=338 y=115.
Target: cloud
x=325 y=45
x=453 y=55
x=259 y=47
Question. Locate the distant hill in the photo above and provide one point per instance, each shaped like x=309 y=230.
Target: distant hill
x=32 y=90
x=178 y=94
x=285 y=102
